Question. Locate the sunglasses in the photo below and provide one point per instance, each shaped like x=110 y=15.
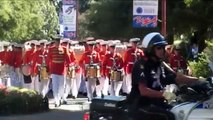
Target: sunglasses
x=160 y=47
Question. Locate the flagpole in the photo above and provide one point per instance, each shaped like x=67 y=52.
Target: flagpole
x=164 y=19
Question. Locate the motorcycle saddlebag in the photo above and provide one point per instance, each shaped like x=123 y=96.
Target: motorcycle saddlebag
x=108 y=104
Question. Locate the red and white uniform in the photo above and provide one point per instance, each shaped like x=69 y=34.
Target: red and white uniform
x=113 y=61
x=130 y=57
x=87 y=58
x=59 y=58
x=177 y=62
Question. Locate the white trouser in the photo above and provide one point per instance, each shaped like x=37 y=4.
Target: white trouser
x=103 y=87
x=19 y=77
x=83 y=87
x=115 y=87
x=13 y=79
x=5 y=78
x=36 y=84
x=41 y=86
x=76 y=84
x=67 y=87
x=127 y=83
x=58 y=87
x=90 y=84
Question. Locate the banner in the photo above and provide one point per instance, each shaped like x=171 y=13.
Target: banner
x=145 y=13
x=69 y=18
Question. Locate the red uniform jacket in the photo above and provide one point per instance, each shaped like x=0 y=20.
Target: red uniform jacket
x=59 y=59
x=37 y=60
x=86 y=59
x=108 y=62
x=130 y=57
x=177 y=61
x=102 y=56
x=11 y=59
x=28 y=56
x=18 y=59
x=5 y=57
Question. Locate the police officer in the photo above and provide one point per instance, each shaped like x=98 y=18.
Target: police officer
x=150 y=76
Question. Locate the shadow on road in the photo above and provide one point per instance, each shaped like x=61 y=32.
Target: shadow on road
x=53 y=114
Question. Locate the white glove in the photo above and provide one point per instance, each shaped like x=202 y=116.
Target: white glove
x=201 y=79
x=171 y=88
x=169 y=96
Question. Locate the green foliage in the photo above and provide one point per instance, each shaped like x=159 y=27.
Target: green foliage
x=21 y=20
x=200 y=68
x=15 y=100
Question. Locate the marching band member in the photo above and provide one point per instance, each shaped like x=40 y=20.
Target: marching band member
x=27 y=65
x=69 y=81
x=18 y=63
x=40 y=66
x=83 y=88
x=130 y=57
x=11 y=61
x=59 y=58
x=113 y=70
x=5 y=57
x=104 y=83
x=89 y=62
x=78 y=72
x=177 y=61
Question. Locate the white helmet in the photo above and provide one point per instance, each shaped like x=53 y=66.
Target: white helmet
x=153 y=39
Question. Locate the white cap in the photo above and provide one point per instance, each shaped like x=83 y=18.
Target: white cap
x=134 y=40
x=99 y=40
x=65 y=40
x=19 y=45
x=117 y=41
x=90 y=39
x=5 y=43
x=74 y=42
x=103 y=43
x=34 y=42
x=43 y=41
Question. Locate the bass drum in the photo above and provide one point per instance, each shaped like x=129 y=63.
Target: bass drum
x=26 y=70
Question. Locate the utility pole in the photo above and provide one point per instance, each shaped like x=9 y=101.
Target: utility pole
x=163 y=13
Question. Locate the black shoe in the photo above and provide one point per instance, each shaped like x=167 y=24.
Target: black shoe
x=85 y=94
x=124 y=94
x=64 y=102
x=57 y=105
x=73 y=97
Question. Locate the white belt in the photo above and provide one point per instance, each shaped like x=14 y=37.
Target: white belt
x=131 y=63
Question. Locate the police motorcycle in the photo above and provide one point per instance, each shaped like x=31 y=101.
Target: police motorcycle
x=192 y=103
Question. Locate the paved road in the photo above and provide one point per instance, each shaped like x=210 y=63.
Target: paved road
x=73 y=111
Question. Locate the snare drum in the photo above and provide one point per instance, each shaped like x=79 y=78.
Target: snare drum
x=26 y=69
x=71 y=72
x=116 y=75
x=93 y=71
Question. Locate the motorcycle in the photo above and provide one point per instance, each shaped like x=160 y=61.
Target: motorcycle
x=192 y=103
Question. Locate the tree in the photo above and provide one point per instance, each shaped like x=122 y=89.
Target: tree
x=22 y=20
x=191 y=16
x=112 y=19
